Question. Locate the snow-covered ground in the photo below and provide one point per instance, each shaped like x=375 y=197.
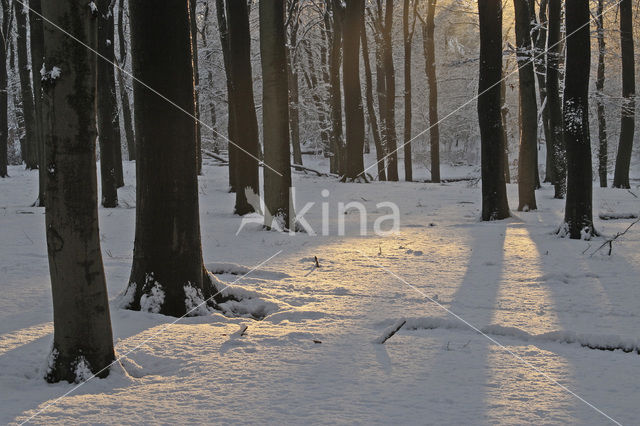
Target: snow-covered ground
x=313 y=359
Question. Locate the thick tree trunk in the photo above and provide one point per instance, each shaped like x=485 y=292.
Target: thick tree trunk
x=371 y=111
x=4 y=120
x=335 y=94
x=428 y=41
x=275 y=122
x=627 y=121
x=603 y=156
x=354 y=112
x=124 y=93
x=407 y=35
x=36 y=38
x=527 y=158
x=30 y=152
x=244 y=116
x=494 y=192
x=168 y=274
x=108 y=123
x=556 y=139
x=578 y=211
x=82 y=338
x=390 y=95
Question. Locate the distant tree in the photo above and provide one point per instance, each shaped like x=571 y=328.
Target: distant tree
x=390 y=137
x=627 y=121
x=494 y=192
x=275 y=116
x=196 y=78
x=124 y=93
x=335 y=29
x=246 y=148
x=108 y=120
x=168 y=274
x=527 y=161
x=30 y=151
x=408 y=28
x=354 y=112
x=603 y=156
x=4 y=119
x=82 y=337
x=292 y=24
x=555 y=140
x=36 y=41
x=428 y=40
x=578 y=211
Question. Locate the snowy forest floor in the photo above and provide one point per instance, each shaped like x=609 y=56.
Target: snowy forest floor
x=513 y=279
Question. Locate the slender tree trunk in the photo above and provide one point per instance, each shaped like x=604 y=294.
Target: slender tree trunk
x=390 y=95
x=36 y=38
x=539 y=39
x=168 y=274
x=371 y=111
x=4 y=119
x=292 y=72
x=30 y=152
x=275 y=123
x=108 y=123
x=527 y=159
x=247 y=149
x=196 y=78
x=494 y=192
x=578 y=210
x=627 y=121
x=354 y=113
x=335 y=95
x=407 y=35
x=124 y=93
x=82 y=338
x=504 y=111
x=603 y=156
x=428 y=40
x=556 y=138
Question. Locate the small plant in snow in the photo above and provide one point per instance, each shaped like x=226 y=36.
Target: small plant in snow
x=194 y=301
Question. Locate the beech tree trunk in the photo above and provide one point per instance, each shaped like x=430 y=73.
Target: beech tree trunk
x=354 y=113
x=292 y=72
x=504 y=111
x=527 y=159
x=335 y=94
x=390 y=95
x=371 y=111
x=428 y=41
x=30 y=152
x=627 y=120
x=124 y=93
x=578 y=210
x=36 y=38
x=407 y=36
x=196 y=78
x=275 y=115
x=168 y=275
x=603 y=156
x=556 y=138
x=82 y=337
x=244 y=116
x=4 y=120
x=494 y=191
x=108 y=122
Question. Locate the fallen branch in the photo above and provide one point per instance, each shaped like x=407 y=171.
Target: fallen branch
x=302 y=168
x=389 y=332
x=615 y=216
x=215 y=156
x=615 y=237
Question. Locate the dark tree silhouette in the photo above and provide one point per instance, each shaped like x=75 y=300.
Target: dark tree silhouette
x=556 y=139
x=36 y=39
x=603 y=156
x=428 y=40
x=390 y=138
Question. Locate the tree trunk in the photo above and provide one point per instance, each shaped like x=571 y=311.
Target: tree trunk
x=168 y=275
x=371 y=111
x=312 y=82
x=428 y=41
x=30 y=153
x=494 y=192
x=292 y=72
x=4 y=119
x=603 y=156
x=82 y=338
x=247 y=146
x=275 y=115
x=108 y=123
x=354 y=113
x=527 y=158
x=407 y=35
x=578 y=210
x=124 y=93
x=335 y=96
x=627 y=121
x=538 y=31
x=196 y=78
x=504 y=111
x=556 y=139
x=390 y=95
x=36 y=38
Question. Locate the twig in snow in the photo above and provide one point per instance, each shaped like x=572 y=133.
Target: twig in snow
x=615 y=237
x=389 y=332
